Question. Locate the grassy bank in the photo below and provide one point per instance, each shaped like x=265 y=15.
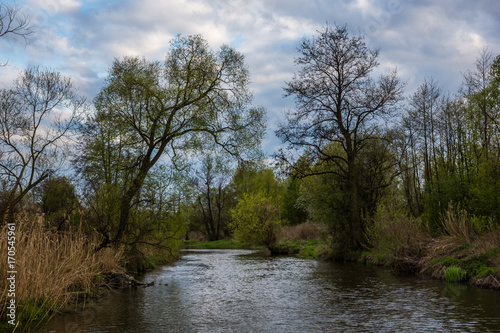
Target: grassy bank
x=466 y=251
x=299 y=240
x=304 y=240
x=54 y=270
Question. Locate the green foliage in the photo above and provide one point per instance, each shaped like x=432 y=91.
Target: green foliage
x=476 y=265
x=291 y=211
x=487 y=271
x=255 y=178
x=255 y=220
x=450 y=262
x=59 y=200
x=455 y=274
x=152 y=112
x=395 y=238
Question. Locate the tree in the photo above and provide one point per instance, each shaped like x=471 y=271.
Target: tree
x=14 y=22
x=337 y=101
x=211 y=183
x=291 y=211
x=58 y=199
x=36 y=117
x=158 y=112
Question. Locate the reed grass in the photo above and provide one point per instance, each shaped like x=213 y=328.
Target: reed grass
x=455 y=224
x=304 y=231
x=455 y=274
x=54 y=270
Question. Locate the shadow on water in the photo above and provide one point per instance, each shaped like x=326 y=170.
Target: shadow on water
x=245 y=291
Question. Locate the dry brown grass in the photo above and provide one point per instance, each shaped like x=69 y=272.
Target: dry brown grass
x=456 y=225
x=54 y=270
x=395 y=239
x=456 y=246
x=304 y=231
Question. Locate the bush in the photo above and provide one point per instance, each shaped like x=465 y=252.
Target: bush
x=455 y=224
x=304 y=231
x=255 y=220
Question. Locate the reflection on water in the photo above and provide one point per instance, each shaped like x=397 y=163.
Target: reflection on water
x=242 y=291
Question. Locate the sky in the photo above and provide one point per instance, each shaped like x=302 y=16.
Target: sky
x=421 y=38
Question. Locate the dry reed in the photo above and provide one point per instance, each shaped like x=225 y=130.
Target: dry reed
x=455 y=224
x=304 y=231
x=54 y=270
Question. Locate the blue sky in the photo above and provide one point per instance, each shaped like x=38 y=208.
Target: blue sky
x=421 y=38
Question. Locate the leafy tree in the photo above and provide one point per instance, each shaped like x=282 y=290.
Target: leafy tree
x=291 y=211
x=338 y=102
x=36 y=117
x=149 y=112
x=59 y=200
x=253 y=177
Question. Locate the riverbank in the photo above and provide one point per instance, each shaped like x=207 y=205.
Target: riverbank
x=402 y=245
x=50 y=272
x=464 y=252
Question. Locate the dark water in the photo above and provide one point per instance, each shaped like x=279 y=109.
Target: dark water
x=242 y=291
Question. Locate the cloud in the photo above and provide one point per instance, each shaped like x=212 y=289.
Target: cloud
x=422 y=38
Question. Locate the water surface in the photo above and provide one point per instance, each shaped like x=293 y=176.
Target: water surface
x=244 y=291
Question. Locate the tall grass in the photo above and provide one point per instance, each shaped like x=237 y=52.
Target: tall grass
x=304 y=231
x=455 y=274
x=54 y=269
x=455 y=224
x=395 y=238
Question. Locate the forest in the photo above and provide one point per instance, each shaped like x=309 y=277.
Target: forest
x=169 y=153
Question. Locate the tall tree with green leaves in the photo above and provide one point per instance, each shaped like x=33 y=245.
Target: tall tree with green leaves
x=338 y=102
x=158 y=112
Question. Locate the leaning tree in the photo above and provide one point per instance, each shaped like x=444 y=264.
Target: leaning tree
x=152 y=112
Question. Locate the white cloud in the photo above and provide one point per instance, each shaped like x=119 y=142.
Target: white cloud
x=419 y=37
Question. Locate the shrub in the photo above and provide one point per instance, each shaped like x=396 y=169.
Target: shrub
x=455 y=224
x=450 y=262
x=255 y=220
x=304 y=231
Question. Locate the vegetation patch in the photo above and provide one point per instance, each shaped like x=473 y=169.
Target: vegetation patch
x=455 y=274
x=54 y=270
x=450 y=262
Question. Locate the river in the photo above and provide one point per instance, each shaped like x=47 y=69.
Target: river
x=245 y=291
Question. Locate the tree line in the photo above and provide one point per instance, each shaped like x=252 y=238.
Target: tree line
x=171 y=147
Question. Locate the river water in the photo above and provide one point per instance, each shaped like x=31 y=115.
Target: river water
x=245 y=291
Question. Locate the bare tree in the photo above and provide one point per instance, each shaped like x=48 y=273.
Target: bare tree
x=211 y=183
x=14 y=22
x=338 y=103
x=36 y=116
